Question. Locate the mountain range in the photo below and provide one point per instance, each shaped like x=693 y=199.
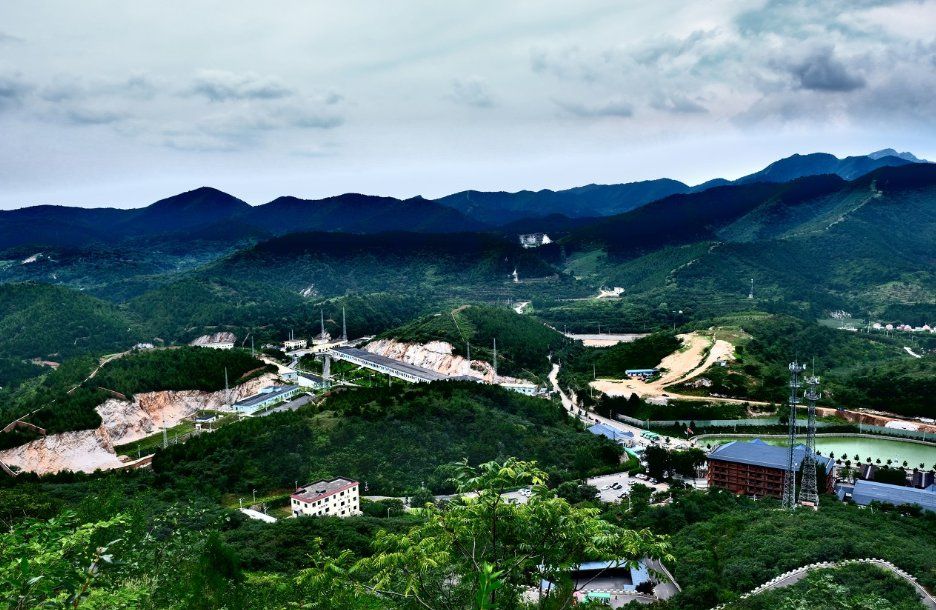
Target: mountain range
x=209 y=215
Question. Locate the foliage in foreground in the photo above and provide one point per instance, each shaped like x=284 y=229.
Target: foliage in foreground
x=476 y=552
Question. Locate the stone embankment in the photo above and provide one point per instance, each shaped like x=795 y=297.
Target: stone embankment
x=794 y=576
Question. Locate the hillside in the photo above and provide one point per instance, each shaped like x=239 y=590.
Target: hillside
x=523 y=343
x=52 y=322
x=395 y=439
x=65 y=399
x=812 y=244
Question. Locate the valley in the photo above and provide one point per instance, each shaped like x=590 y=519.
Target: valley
x=216 y=357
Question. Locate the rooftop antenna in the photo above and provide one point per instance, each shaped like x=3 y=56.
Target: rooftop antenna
x=344 y=326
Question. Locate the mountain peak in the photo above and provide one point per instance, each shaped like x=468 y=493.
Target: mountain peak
x=202 y=198
x=890 y=152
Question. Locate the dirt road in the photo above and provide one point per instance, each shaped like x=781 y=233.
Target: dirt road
x=697 y=354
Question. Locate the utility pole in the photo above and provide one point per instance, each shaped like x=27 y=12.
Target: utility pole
x=468 y=351
x=495 y=360
x=344 y=325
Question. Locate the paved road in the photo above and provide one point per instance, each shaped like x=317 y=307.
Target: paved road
x=292 y=405
x=589 y=418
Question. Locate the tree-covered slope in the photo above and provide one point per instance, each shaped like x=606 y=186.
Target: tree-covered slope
x=52 y=322
x=394 y=439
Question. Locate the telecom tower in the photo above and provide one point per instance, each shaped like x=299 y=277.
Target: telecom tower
x=344 y=326
x=789 y=479
x=809 y=492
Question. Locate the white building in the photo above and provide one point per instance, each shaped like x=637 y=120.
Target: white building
x=334 y=498
x=291 y=344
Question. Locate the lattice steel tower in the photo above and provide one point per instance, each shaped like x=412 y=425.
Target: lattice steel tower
x=809 y=492
x=789 y=478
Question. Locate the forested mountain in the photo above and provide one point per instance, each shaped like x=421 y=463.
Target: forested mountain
x=798 y=166
x=209 y=214
x=592 y=200
x=819 y=240
x=51 y=322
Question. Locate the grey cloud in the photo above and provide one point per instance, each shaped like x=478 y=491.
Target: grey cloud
x=13 y=89
x=94 y=116
x=9 y=38
x=610 y=108
x=678 y=104
x=821 y=71
x=220 y=86
x=471 y=91
x=65 y=89
x=669 y=47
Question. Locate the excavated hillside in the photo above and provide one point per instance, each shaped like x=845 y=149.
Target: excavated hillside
x=123 y=422
x=438 y=356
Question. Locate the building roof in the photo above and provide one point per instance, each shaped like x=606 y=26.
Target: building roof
x=322 y=489
x=609 y=432
x=312 y=377
x=397 y=365
x=640 y=371
x=273 y=391
x=759 y=453
x=867 y=492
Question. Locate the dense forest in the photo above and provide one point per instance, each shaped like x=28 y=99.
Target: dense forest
x=397 y=440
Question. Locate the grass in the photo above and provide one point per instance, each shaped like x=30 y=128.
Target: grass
x=151 y=443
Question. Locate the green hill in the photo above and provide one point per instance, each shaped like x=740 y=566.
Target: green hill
x=52 y=322
x=394 y=439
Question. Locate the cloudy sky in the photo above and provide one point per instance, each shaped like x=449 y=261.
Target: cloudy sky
x=122 y=103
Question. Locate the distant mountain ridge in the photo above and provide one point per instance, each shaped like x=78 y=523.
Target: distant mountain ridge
x=209 y=215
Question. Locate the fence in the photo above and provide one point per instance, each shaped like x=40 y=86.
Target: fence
x=774 y=421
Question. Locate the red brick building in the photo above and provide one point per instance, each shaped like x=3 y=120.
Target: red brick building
x=755 y=468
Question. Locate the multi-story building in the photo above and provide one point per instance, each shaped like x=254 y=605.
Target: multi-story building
x=755 y=468
x=291 y=344
x=332 y=498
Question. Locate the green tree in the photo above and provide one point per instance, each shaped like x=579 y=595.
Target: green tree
x=480 y=547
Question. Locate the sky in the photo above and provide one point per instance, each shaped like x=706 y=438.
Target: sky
x=124 y=103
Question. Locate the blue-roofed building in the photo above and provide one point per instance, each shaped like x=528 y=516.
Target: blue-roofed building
x=756 y=468
x=866 y=492
x=640 y=372
x=619 y=436
x=266 y=397
x=607 y=576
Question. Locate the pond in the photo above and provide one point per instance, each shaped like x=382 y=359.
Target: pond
x=875 y=448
